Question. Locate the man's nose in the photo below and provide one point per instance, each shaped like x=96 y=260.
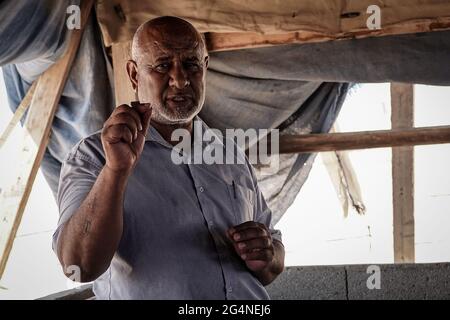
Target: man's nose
x=178 y=76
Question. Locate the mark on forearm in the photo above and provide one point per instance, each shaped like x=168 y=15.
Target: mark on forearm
x=91 y=205
x=87 y=227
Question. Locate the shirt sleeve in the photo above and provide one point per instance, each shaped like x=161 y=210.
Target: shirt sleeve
x=78 y=175
x=262 y=212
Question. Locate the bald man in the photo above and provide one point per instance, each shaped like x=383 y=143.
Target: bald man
x=144 y=227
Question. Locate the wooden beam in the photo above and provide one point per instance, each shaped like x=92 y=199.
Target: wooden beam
x=364 y=139
x=216 y=41
x=246 y=40
x=20 y=111
x=124 y=93
x=14 y=196
x=402 y=117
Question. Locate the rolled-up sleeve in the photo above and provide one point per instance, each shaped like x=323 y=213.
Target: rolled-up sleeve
x=262 y=212
x=78 y=175
x=264 y=215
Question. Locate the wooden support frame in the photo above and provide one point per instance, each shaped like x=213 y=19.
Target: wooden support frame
x=20 y=111
x=402 y=117
x=38 y=125
x=402 y=138
x=364 y=140
x=216 y=41
x=124 y=93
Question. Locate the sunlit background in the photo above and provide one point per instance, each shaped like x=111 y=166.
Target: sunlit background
x=314 y=229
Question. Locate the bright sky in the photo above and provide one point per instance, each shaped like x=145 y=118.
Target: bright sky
x=314 y=229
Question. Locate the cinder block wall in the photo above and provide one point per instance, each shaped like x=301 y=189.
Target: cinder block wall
x=399 y=281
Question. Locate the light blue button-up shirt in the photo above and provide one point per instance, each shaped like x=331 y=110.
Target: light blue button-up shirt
x=174 y=243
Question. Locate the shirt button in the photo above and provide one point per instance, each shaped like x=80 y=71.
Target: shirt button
x=201 y=189
x=229 y=289
x=211 y=223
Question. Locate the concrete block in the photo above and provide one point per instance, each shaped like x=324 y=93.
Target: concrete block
x=401 y=282
x=307 y=283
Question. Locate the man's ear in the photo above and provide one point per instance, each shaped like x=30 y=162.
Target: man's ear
x=132 y=73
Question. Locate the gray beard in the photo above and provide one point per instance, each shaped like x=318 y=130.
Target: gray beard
x=174 y=117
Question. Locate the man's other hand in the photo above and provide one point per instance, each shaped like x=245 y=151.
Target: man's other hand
x=253 y=243
x=263 y=256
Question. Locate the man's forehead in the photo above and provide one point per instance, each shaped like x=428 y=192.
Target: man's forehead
x=166 y=47
x=158 y=45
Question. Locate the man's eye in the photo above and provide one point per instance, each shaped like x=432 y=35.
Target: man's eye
x=163 y=67
x=192 y=66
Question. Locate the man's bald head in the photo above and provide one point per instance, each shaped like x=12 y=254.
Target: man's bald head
x=166 y=32
x=168 y=69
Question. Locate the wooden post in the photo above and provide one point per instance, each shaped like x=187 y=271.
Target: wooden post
x=14 y=197
x=402 y=117
x=124 y=93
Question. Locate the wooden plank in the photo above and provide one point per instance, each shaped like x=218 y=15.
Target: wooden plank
x=83 y=292
x=402 y=117
x=331 y=19
x=364 y=139
x=245 y=40
x=20 y=111
x=124 y=93
x=45 y=100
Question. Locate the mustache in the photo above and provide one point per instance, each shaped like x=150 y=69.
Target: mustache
x=176 y=93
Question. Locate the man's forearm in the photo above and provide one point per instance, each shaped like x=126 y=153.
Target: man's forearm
x=269 y=274
x=91 y=236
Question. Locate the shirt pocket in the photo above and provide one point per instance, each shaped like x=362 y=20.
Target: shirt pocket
x=242 y=200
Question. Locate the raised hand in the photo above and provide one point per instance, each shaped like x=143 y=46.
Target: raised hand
x=123 y=136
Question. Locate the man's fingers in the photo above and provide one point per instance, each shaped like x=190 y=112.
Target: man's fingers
x=260 y=255
x=124 y=108
x=145 y=112
x=130 y=114
x=140 y=107
x=250 y=233
x=133 y=113
x=121 y=108
x=246 y=225
x=124 y=118
x=250 y=245
x=117 y=133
